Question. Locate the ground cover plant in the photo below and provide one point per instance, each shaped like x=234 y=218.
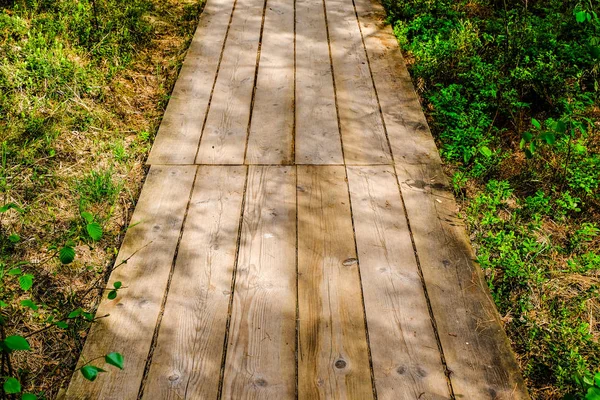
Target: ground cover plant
x=83 y=85
x=510 y=89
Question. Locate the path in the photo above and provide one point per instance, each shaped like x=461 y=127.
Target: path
x=297 y=237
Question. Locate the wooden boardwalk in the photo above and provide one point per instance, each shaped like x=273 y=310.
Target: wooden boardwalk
x=296 y=235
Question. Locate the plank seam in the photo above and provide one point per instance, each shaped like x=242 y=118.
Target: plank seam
x=335 y=100
x=447 y=371
x=233 y=279
x=294 y=99
x=362 y=293
x=256 y=67
x=297 y=349
x=212 y=90
x=165 y=295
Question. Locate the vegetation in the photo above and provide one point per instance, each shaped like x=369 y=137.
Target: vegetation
x=83 y=85
x=510 y=89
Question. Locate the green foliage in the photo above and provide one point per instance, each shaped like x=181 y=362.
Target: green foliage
x=511 y=91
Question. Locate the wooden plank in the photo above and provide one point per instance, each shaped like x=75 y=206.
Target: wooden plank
x=317 y=132
x=189 y=350
x=271 y=138
x=134 y=313
x=260 y=361
x=395 y=304
x=475 y=346
x=362 y=129
x=224 y=137
x=333 y=352
x=179 y=133
x=407 y=128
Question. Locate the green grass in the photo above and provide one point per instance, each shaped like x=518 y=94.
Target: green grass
x=510 y=90
x=83 y=85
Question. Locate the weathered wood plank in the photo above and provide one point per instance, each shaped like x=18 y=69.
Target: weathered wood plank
x=179 y=133
x=317 y=132
x=475 y=346
x=224 y=138
x=362 y=129
x=271 y=138
x=260 y=361
x=189 y=350
x=134 y=313
x=333 y=352
x=407 y=128
x=395 y=304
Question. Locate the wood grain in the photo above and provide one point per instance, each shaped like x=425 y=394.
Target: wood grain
x=476 y=348
x=271 y=139
x=134 y=313
x=317 y=131
x=395 y=304
x=362 y=129
x=260 y=360
x=332 y=349
x=224 y=138
x=189 y=350
x=407 y=128
x=179 y=133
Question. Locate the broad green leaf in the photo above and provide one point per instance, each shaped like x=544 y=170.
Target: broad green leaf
x=115 y=359
x=112 y=295
x=485 y=151
x=560 y=127
x=536 y=123
x=88 y=316
x=548 y=137
x=94 y=230
x=26 y=281
x=15 y=271
x=10 y=206
x=75 y=313
x=14 y=238
x=62 y=324
x=88 y=217
x=11 y=386
x=593 y=393
x=29 y=396
x=66 y=255
x=30 y=304
x=3 y=304
x=597 y=379
x=117 y=284
x=16 y=342
x=90 y=372
x=580 y=16
x=527 y=136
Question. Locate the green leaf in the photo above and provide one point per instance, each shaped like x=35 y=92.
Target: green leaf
x=115 y=359
x=560 y=127
x=30 y=304
x=62 y=324
x=527 y=136
x=112 y=295
x=26 y=281
x=90 y=372
x=29 y=396
x=548 y=137
x=15 y=271
x=536 y=123
x=117 y=284
x=66 y=255
x=75 y=313
x=14 y=238
x=11 y=386
x=580 y=16
x=485 y=151
x=10 y=206
x=17 y=342
x=593 y=393
x=94 y=230
x=3 y=304
x=88 y=217
x=597 y=379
